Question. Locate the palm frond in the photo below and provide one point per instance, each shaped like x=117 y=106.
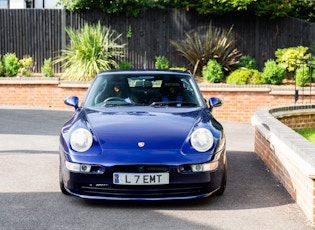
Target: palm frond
x=91 y=50
x=216 y=43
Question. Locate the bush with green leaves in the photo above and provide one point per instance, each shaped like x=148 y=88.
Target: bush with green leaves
x=247 y=62
x=11 y=64
x=288 y=57
x=124 y=65
x=94 y=48
x=212 y=72
x=26 y=66
x=302 y=76
x=178 y=68
x=161 y=62
x=273 y=73
x=255 y=77
x=47 y=68
x=245 y=76
x=216 y=43
x=2 y=70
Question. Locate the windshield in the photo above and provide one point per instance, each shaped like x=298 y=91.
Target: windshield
x=144 y=90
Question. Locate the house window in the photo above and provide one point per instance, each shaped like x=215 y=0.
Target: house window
x=4 y=4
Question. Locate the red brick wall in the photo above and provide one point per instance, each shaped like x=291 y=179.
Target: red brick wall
x=288 y=155
x=289 y=172
x=302 y=121
x=42 y=95
x=265 y=150
x=239 y=104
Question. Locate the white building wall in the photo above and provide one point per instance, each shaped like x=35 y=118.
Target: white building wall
x=38 y=4
x=17 y=4
x=48 y=4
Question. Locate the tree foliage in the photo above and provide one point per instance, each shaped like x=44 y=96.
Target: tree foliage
x=304 y=9
x=129 y=7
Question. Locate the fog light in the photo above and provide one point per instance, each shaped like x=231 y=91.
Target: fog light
x=197 y=168
x=206 y=167
x=75 y=167
x=85 y=168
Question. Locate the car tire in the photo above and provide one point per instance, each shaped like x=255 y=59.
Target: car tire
x=61 y=184
x=223 y=182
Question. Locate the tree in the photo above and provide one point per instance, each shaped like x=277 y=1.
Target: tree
x=303 y=9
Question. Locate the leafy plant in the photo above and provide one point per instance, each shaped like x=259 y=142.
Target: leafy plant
x=161 y=62
x=216 y=43
x=47 y=68
x=178 y=68
x=11 y=64
x=255 y=77
x=245 y=76
x=273 y=73
x=92 y=49
x=129 y=32
x=2 y=70
x=302 y=76
x=128 y=7
x=125 y=65
x=212 y=72
x=247 y=62
x=288 y=57
x=26 y=66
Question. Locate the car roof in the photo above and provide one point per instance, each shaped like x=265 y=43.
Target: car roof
x=144 y=71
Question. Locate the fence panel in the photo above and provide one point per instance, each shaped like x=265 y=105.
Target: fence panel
x=40 y=33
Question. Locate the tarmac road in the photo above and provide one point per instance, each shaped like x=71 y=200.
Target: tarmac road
x=30 y=197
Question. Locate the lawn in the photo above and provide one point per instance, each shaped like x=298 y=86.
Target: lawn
x=309 y=134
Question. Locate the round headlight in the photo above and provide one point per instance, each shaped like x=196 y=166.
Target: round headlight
x=201 y=139
x=81 y=140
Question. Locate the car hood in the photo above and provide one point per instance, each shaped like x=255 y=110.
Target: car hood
x=141 y=130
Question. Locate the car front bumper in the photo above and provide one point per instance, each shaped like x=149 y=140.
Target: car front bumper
x=182 y=185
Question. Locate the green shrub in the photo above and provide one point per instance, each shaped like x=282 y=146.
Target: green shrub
x=302 y=76
x=94 y=48
x=26 y=66
x=287 y=57
x=256 y=78
x=273 y=73
x=178 y=68
x=11 y=64
x=216 y=43
x=2 y=70
x=245 y=76
x=47 y=68
x=212 y=72
x=161 y=62
x=247 y=62
x=125 y=65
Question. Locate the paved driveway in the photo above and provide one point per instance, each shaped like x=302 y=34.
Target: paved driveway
x=30 y=197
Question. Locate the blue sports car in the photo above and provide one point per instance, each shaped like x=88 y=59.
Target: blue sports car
x=143 y=135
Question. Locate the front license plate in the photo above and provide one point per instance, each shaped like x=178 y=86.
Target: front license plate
x=141 y=178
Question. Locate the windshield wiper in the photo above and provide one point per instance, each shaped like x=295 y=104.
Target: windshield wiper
x=119 y=104
x=173 y=103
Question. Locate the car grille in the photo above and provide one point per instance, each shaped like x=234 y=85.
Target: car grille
x=144 y=191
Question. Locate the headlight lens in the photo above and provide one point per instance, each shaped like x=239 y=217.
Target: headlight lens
x=201 y=139
x=81 y=140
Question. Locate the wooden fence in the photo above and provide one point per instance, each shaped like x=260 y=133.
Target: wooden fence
x=40 y=33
